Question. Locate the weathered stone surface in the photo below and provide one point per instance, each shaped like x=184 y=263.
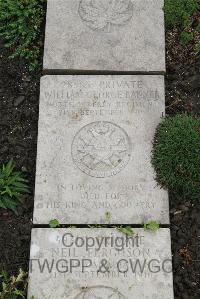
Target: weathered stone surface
x=100 y=263
x=102 y=35
x=94 y=146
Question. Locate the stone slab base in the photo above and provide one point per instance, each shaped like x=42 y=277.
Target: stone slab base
x=100 y=263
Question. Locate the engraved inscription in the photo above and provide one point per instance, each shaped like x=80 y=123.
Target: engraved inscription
x=101 y=149
x=104 y=14
x=100 y=292
x=106 y=98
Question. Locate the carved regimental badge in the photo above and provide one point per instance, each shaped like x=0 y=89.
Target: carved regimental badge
x=100 y=292
x=103 y=14
x=101 y=149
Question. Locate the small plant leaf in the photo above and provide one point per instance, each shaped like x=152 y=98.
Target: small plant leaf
x=108 y=216
x=18 y=293
x=127 y=230
x=151 y=225
x=54 y=223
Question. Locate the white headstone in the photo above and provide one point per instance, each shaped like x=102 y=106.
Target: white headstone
x=94 y=150
x=102 y=35
x=100 y=264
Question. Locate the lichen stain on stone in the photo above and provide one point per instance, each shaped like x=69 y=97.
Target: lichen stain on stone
x=76 y=115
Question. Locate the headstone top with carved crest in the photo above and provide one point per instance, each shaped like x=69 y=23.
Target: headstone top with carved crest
x=105 y=35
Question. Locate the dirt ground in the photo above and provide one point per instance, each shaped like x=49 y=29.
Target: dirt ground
x=19 y=99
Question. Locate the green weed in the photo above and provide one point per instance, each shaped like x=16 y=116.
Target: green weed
x=183 y=14
x=12 y=187
x=20 y=26
x=13 y=287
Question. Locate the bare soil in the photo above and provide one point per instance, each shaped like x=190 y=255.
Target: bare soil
x=19 y=100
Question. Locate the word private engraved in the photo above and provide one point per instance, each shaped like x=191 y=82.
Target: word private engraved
x=99 y=292
x=103 y=14
x=101 y=149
